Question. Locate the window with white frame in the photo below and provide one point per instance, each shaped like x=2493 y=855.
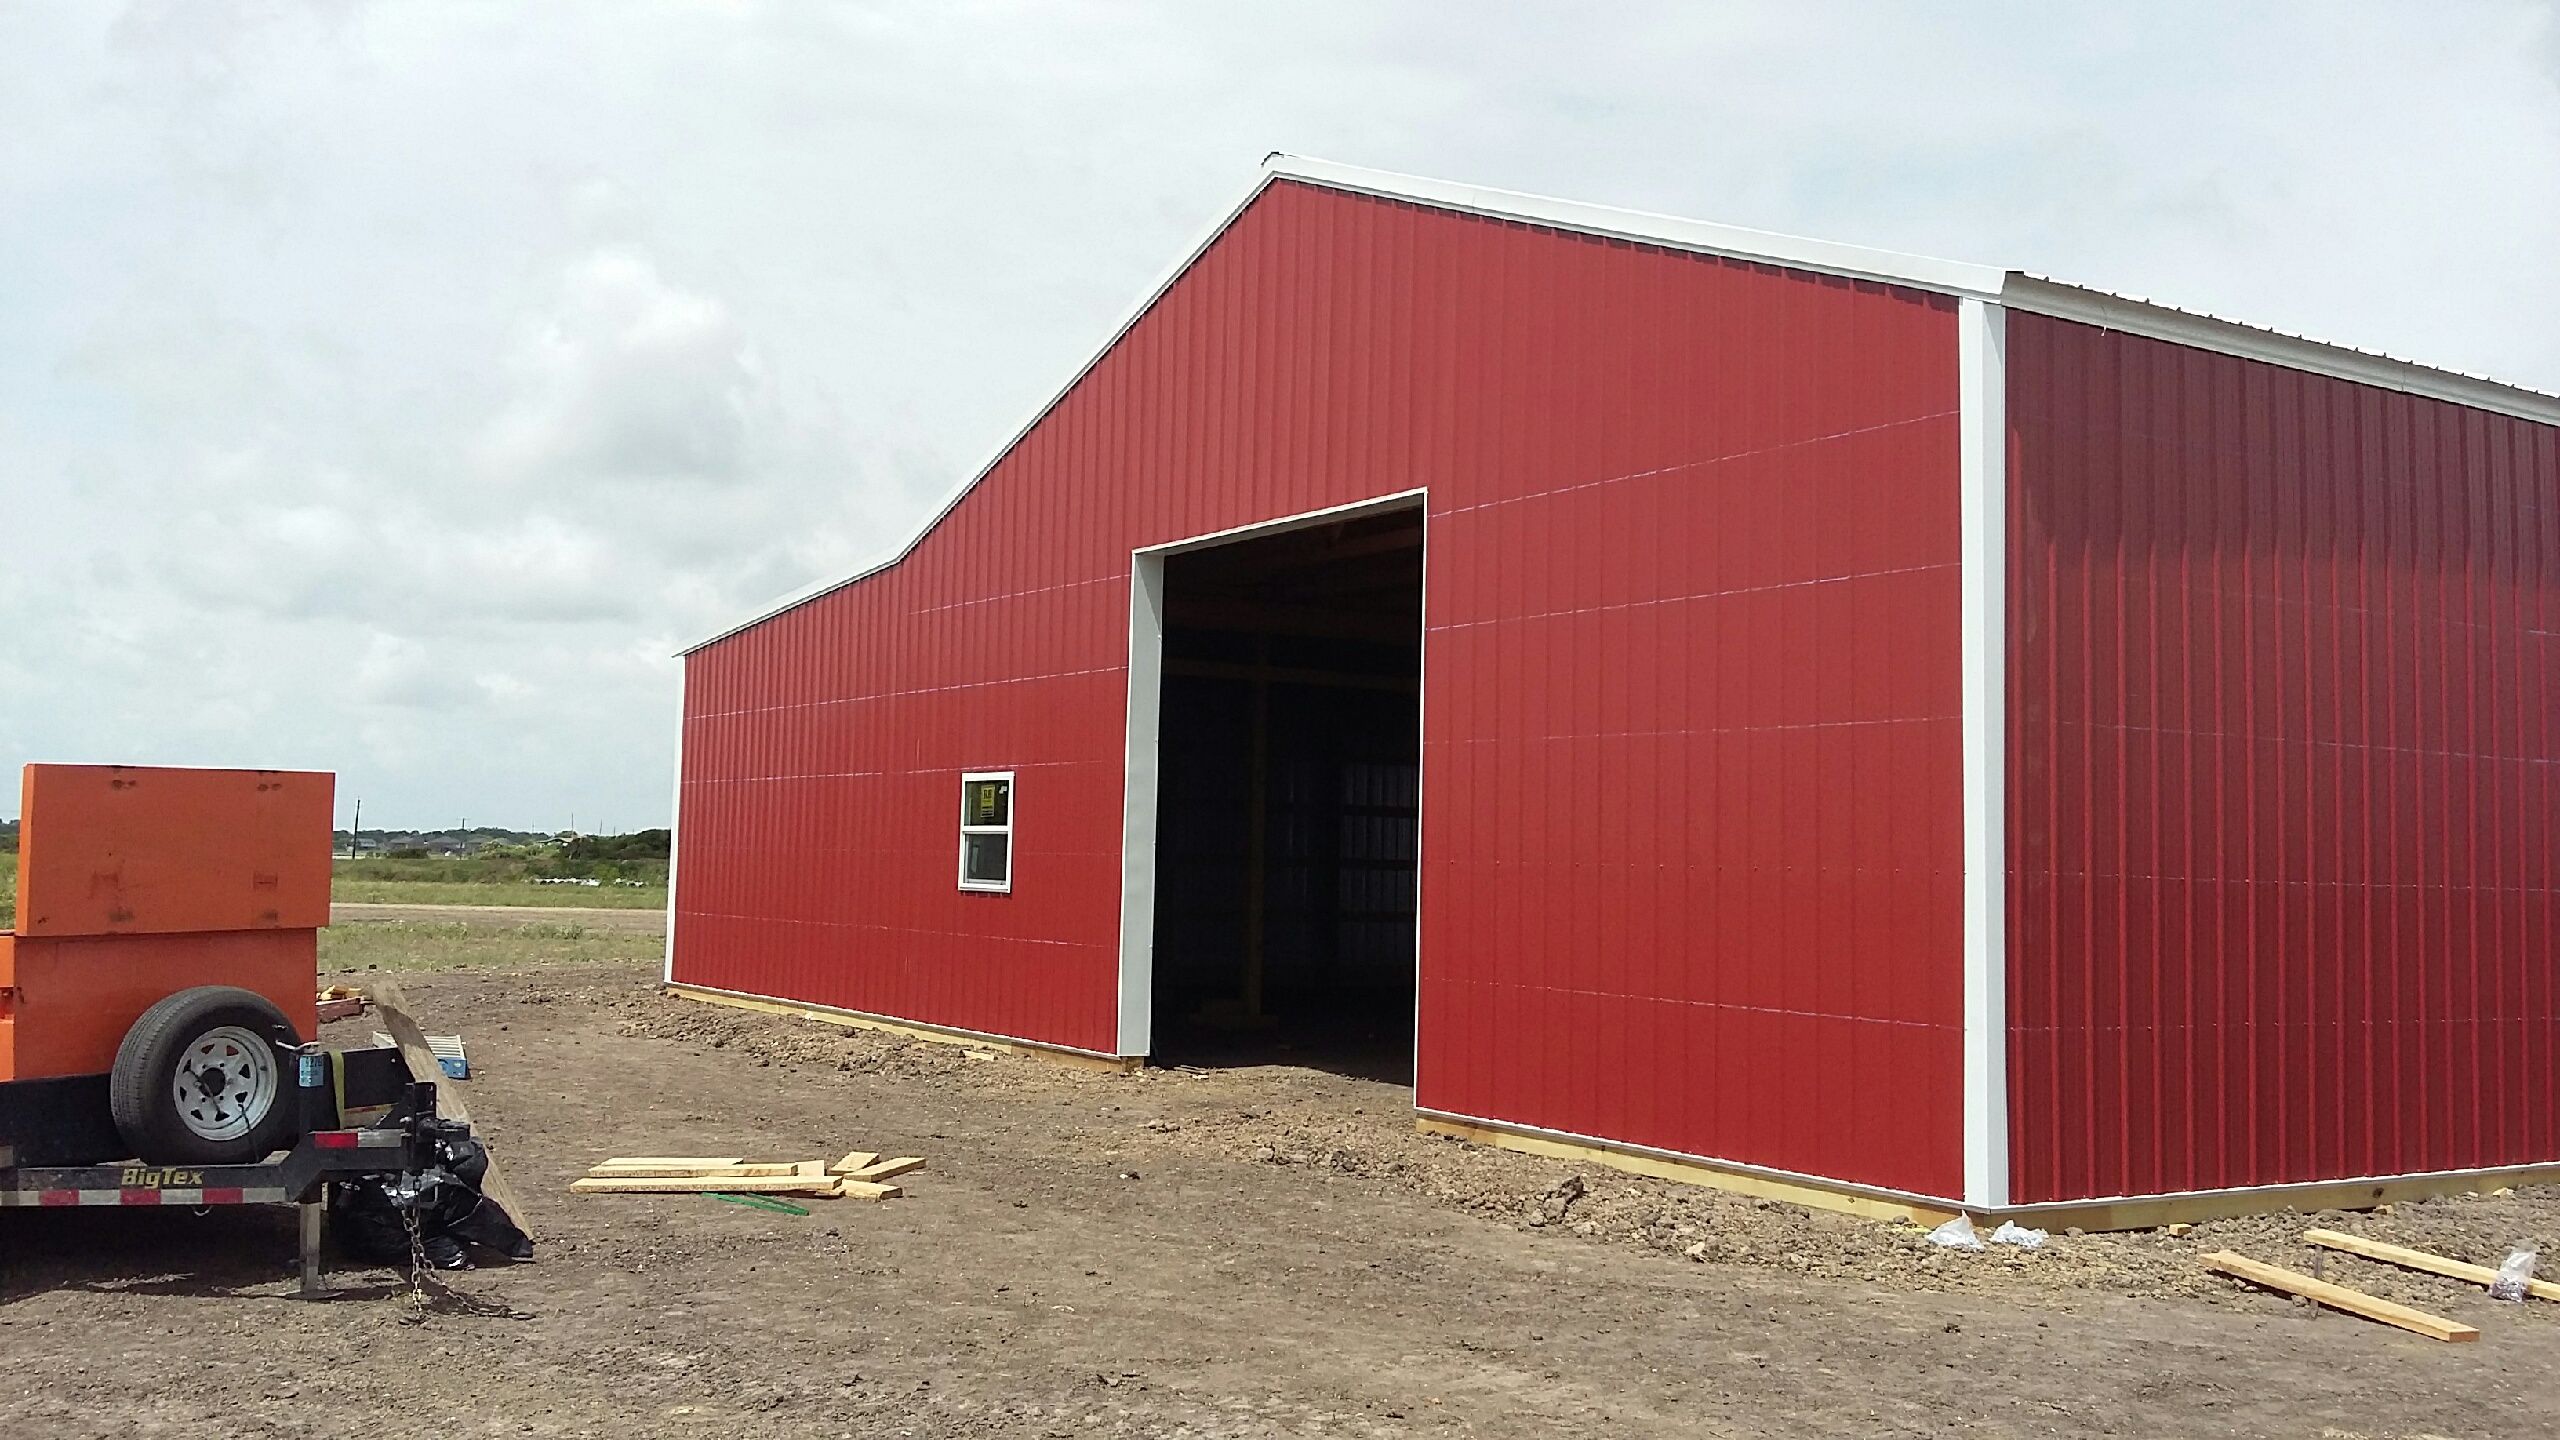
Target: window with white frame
x=986 y=830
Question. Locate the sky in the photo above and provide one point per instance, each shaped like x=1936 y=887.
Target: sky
x=392 y=389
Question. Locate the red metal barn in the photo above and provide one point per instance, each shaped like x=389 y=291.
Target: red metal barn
x=1911 y=732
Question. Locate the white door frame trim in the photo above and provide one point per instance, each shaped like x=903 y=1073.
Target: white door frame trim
x=1145 y=729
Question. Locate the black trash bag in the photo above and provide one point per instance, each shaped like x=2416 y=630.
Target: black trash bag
x=467 y=1214
x=371 y=1214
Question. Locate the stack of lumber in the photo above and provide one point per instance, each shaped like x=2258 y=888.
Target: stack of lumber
x=857 y=1176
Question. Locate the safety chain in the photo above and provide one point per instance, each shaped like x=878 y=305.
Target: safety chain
x=417 y=1298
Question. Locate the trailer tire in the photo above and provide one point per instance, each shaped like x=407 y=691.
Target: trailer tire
x=236 y=1106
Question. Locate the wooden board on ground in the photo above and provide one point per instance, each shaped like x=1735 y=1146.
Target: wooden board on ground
x=697 y=1185
x=865 y=1190
x=853 y=1160
x=2402 y=1255
x=672 y=1160
x=744 y=1170
x=452 y=1096
x=885 y=1169
x=2338 y=1297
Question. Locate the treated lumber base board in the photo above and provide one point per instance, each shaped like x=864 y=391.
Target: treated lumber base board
x=2431 y=1263
x=824 y=1015
x=2338 y=1297
x=2152 y=1212
x=2145 y=1213
x=1740 y=1182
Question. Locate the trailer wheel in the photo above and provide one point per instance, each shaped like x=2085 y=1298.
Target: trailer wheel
x=198 y=1079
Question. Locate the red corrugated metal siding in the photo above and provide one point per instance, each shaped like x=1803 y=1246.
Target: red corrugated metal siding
x=2283 y=677
x=1691 y=825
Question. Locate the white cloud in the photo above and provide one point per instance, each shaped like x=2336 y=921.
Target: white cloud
x=390 y=388
x=631 y=379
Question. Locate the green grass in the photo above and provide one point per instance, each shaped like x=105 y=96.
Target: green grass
x=507 y=869
x=447 y=945
x=8 y=892
x=366 y=889
x=497 y=880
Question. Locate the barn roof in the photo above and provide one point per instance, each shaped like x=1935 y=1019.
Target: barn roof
x=2016 y=289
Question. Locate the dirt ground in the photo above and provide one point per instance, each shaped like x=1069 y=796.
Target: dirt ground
x=1243 y=1252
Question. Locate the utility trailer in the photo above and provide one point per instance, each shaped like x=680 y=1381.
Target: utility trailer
x=158 y=1001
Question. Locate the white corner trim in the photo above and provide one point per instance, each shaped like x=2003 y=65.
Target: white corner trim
x=675 y=825
x=1982 y=502
x=1138 y=806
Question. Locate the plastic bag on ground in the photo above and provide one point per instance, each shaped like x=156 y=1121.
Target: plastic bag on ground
x=2515 y=1278
x=1957 y=1234
x=2013 y=1233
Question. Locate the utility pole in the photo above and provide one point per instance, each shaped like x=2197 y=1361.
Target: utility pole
x=355 y=836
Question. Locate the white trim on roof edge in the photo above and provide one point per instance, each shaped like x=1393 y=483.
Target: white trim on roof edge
x=2295 y=352
x=1791 y=252
x=2014 y=289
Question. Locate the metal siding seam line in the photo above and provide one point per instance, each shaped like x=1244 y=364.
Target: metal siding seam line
x=1982 y=506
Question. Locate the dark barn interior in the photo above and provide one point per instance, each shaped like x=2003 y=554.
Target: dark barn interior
x=1288 y=813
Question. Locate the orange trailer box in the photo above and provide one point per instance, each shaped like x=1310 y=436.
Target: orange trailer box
x=132 y=850
x=136 y=882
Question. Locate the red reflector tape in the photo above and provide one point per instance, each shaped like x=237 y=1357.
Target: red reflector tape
x=220 y=1196
x=334 y=1139
x=62 y=1197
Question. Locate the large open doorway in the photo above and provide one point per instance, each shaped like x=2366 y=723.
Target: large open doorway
x=1288 y=793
